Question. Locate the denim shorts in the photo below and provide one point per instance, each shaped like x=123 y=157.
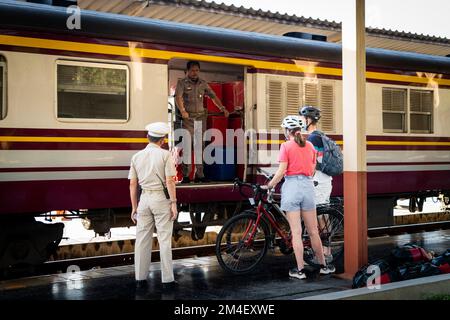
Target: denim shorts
x=297 y=193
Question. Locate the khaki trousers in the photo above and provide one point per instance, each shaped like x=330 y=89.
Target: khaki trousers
x=153 y=210
x=188 y=124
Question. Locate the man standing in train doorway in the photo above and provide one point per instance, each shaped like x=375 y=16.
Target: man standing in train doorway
x=189 y=96
x=153 y=169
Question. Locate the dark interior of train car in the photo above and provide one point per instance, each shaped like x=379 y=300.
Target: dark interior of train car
x=227 y=82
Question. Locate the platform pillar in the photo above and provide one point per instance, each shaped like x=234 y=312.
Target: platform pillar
x=354 y=134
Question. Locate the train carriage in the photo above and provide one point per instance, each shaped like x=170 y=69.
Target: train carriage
x=74 y=104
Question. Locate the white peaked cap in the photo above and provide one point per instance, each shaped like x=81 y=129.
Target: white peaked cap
x=157 y=129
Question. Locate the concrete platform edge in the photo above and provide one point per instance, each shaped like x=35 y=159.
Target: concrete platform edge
x=416 y=289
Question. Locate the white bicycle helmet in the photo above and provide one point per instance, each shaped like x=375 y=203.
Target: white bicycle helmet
x=292 y=122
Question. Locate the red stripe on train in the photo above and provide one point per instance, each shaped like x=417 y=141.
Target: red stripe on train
x=45 y=196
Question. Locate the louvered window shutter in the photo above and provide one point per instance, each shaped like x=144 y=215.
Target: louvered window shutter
x=274 y=104
x=421 y=111
x=394 y=110
x=293 y=98
x=311 y=95
x=327 y=107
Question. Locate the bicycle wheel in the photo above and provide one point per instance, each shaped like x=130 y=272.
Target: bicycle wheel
x=235 y=253
x=330 y=222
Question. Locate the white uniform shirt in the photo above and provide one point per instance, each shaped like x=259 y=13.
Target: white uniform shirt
x=150 y=162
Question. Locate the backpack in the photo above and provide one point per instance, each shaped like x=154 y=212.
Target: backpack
x=387 y=274
x=410 y=253
x=443 y=262
x=333 y=160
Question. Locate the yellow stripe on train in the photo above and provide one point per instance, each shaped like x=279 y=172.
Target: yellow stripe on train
x=138 y=53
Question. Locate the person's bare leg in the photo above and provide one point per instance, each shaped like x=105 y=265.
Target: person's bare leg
x=310 y=220
x=293 y=218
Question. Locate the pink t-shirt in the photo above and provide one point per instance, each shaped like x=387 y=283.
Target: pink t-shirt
x=300 y=160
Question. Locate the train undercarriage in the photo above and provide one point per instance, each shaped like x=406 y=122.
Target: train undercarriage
x=26 y=243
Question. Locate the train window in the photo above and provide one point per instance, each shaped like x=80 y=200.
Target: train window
x=286 y=94
x=421 y=111
x=92 y=91
x=394 y=109
x=2 y=88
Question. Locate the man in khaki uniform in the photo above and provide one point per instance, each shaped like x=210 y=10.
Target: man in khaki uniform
x=149 y=169
x=189 y=98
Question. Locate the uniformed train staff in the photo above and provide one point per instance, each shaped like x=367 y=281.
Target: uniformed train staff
x=189 y=99
x=149 y=168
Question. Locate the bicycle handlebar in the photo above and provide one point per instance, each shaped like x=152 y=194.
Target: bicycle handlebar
x=257 y=190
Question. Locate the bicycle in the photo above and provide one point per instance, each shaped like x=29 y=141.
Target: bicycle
x=244 y=239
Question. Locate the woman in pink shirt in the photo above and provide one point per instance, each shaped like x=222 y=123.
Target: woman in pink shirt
x=297 y=164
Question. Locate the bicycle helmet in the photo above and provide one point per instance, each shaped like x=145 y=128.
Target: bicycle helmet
x=310 y=112
x=292 y=122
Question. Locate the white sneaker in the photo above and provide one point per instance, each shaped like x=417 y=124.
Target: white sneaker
x=327 y=269
x=329 y=258
x=295 y=273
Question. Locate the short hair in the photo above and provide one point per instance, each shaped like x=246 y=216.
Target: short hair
x=191 y=64
x=154 y=139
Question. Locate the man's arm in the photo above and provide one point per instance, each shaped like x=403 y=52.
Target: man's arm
x=179 y=100
x=220 y=106
x=134 y=198
x=170 y=183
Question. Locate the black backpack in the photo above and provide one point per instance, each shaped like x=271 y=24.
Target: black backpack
x=333 y=159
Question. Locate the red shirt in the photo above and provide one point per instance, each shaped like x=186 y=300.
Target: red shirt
x=300 y=161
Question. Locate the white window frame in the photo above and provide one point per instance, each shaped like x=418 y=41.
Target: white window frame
x=431 y=114
x=3 y=109
x=405 y=113
x=93 y=65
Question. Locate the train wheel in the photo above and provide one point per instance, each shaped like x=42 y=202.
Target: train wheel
x=27 y=243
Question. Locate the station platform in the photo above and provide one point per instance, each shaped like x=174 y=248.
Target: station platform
x=201 y=278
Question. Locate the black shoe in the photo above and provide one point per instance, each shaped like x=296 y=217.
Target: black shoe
x=141 y=284
x=169 y=285
x=202 y=180
x=186 y=180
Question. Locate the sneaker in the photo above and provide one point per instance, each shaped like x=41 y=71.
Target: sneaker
x=327 y=269
x=295 y=273
x=329 y=258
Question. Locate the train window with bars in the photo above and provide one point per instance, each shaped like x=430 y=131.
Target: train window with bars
x=2 y=88
x=421 y=111
x=394 y=110
x=92 y=91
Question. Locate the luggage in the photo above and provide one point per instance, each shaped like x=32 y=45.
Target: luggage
x=363 y=278
x=233 y=95
x=442 y=262
x=208 y=102
x=410 y=253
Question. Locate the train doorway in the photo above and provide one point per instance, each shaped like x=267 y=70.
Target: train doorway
x=223 y=160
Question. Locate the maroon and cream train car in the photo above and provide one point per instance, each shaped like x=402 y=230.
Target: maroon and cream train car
x=74 y=103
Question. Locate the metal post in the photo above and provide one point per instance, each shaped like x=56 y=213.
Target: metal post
x=354 y=134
